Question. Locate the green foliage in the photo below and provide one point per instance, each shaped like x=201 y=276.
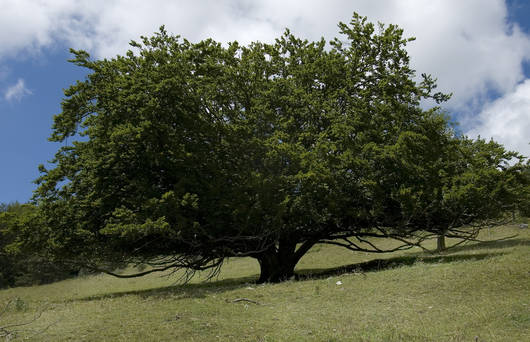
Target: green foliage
x=450 y=185
x=22 y=266
x=10 y=219
x=195 y=152
x=523 y=204
x=465 y=183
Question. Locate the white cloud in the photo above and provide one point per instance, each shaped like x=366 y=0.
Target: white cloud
x=17 y=91
x=468 y=45
x=507 y=120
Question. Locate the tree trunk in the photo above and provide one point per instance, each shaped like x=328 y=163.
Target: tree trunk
x=275 y=270
x=278 y=262
x=440 y=243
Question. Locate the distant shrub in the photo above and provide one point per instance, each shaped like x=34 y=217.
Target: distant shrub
x=22 y=268
x=25 y=270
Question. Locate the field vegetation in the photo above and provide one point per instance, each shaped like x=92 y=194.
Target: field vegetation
x=479 y=291
x=285 y=191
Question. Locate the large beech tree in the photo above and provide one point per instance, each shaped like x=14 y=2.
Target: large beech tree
x=181 y=154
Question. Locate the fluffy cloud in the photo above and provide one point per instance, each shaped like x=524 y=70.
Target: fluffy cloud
x=507 y=120
x=468 y=45
x=17 y=91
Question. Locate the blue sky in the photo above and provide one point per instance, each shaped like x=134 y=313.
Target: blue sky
x=478 y=49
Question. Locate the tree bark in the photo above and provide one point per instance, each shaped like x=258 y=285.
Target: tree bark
x=440 y=243
x=278 y=262
x=275 y=270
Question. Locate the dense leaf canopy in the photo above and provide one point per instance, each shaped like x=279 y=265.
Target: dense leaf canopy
x=185 y=154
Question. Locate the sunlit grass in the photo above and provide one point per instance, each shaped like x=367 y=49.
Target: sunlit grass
x=478 y=292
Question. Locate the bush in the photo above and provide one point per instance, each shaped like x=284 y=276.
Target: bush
x=22 y=268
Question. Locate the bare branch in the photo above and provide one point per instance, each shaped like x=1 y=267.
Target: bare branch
x=237 y=300
x=8 y=332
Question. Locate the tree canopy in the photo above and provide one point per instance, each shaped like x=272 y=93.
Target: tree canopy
x=186 y=154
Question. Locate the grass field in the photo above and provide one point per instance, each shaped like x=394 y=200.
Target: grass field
x=476 y=292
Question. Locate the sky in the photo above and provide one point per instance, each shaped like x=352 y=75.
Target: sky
x=479 y=50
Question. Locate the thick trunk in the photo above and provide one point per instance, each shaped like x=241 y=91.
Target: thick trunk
x=278 y=262
x=274 y=270
x=440 y=243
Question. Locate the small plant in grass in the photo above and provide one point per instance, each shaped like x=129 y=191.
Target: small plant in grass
x=20 y=304
x=317 y=290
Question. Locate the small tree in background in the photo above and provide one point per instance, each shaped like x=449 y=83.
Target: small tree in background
x=454 y=186
x=479 y=185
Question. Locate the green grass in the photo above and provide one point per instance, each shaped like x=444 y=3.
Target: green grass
x=478 y=292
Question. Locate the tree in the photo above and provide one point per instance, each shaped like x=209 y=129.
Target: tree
x=478 y=184
x=452 y=186
x=23 y=267
x=194 y=153
x=11 y=217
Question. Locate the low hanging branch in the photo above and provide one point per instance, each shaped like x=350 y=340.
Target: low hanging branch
x=468 y=231
x=169 y=264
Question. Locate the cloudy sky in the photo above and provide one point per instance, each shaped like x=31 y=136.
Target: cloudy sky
x=478 y=49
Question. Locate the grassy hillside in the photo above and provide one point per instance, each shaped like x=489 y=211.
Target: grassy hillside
x=477 y=292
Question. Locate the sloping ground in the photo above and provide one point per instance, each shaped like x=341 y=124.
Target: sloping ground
x=477 y=292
